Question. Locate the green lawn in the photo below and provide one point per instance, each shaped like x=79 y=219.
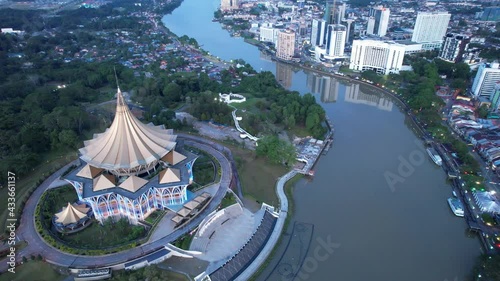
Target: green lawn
x=98 y=236
x=249 y=104
x=228 y=200
x=33 y=271
x=50 y=161
x=258 y=177
x=184 y=242
x=299 y=131
x=62 y=196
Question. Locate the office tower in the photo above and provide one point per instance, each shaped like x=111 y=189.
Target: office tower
x=381 y=57
x=486 y=78
x=453 y=47
x=285 y=47
x=495 y=97
x=226 y=5
x=430 y=28
x=318 y=32
x=349 y=22
x=268 y=34
x=341 y=13
x=378 y=21
x=335 y=40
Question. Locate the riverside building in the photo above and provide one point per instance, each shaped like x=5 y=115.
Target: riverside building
x=379 y=56
x=132 y=169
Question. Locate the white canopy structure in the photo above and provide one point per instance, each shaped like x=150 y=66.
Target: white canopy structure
x=128 y=146
x=487 y=202
x=72 y=214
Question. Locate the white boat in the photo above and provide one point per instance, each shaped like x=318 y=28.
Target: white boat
x=454 y=193
x=434 y=156
x=456 y=206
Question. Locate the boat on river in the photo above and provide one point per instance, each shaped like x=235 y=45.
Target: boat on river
x=456 y=206
x=434 y=156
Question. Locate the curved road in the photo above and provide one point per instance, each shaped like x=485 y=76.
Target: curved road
x=37 y=245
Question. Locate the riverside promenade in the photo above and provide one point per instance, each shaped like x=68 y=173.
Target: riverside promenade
x=275 y=235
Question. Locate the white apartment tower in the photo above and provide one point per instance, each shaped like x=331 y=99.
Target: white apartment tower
x=285 y=47
x=318 y=32
x=430 y=28
x=378 y=21
x=335 y=40
x=379 y=56
x=268 y=34
x=486 y=78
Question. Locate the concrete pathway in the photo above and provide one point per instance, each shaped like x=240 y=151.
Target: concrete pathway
x=278 y=228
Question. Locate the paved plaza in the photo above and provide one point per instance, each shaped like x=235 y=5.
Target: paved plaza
x=226 y=233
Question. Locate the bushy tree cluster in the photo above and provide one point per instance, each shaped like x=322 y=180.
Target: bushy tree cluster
x=276 y=150
x=38 y=116
x=206 y=106
x=284 y=107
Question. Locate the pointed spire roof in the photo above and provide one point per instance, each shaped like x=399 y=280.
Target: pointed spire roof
x=169 y=175
x=128 y=145
x=104 y=181
x=89 y=172
x=173 y=157
x=133 y=183
x=71 y=214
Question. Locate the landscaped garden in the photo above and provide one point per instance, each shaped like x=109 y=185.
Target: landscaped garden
x=95 y=237
x=204 y=170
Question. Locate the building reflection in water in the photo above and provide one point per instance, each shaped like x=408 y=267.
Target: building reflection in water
x=327 y=87
x=354 y=95
x=284 y=74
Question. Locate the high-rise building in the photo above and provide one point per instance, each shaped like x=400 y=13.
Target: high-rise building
x=486 y=78
x=329 y=15
x=378 y=21
x=495 y=97
x=453 y=47
x=335 y=40
x=341 y=13
x=379 y=56
x=226 y=5
x=285 y=47
x=318 y=32
x=268 y=34
x=430 y=28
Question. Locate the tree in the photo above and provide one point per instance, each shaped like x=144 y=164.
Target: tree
x=483 y=111
x=276 y=150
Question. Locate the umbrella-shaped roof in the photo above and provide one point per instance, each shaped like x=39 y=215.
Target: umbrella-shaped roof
x=72 y=214
x=128 y=143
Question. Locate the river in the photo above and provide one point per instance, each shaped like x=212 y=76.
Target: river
x=402 y=231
